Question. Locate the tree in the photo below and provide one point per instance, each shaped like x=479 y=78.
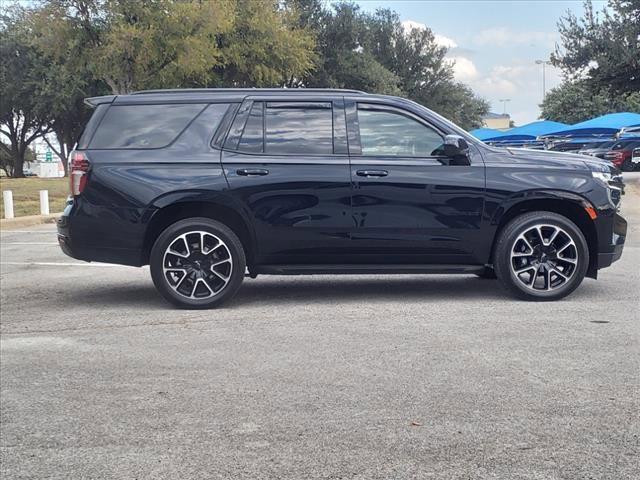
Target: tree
x=21 y=83
x=266 y=46
x=573 y=102
x=7 y=159
x=133 y=45
x=603 y=49
x=373 y=52
x=425 y=74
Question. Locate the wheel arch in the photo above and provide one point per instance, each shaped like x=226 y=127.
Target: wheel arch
x=570 y=205
x=170 y=210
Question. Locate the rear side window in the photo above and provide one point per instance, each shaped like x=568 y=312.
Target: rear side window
x=252 y=139
x=143 y=126
x=90 y=127
x=299 y=128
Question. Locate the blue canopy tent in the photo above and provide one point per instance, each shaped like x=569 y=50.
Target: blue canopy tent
x=606 y=125
x=484 y=133
x=528 y=132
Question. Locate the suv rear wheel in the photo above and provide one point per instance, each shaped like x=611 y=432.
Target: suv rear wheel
x=197 y=263
x=541 y=256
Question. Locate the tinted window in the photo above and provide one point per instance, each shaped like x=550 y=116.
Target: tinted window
x=386 y=133
x=252 y=138
x=143 y=126
x=83 y=141
x=305 y=128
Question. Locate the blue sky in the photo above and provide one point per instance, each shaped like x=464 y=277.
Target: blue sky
x=494 y=44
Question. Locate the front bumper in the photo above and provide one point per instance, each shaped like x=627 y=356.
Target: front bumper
x=612 y=241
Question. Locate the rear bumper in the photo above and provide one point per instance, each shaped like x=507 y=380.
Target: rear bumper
x=97 y=238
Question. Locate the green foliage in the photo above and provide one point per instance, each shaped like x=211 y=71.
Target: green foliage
x=372 y=52
x=600 y=59
x=604 y=47
x=573 y=102
x=58 y=52
x=23 y=89
x=266 y=46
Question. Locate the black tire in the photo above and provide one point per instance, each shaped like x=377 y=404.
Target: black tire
x=488 y=274
x=627 y=166
x=199 y=279
x=515 y=283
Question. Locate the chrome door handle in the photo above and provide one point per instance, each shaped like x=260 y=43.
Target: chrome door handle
x=252 y=172
x=372 y=173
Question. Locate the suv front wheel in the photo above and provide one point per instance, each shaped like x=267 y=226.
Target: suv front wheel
x=541 y=256
x=197 y=263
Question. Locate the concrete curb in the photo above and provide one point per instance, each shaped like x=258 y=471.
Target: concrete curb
x=27 y=221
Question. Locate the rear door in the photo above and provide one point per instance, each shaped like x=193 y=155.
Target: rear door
x=286 y=161
x=411 y=203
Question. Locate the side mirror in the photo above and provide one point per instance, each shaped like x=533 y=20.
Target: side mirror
x=455 y=146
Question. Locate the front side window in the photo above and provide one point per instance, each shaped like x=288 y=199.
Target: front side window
x=298 y=128
x=389 y=133
x=143 y=126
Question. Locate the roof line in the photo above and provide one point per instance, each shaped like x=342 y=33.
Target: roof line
x=248 y=90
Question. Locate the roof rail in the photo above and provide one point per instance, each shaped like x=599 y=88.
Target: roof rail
x=248 y=90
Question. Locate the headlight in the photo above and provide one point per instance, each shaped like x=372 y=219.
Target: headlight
x=603 y=174
x=604 y=177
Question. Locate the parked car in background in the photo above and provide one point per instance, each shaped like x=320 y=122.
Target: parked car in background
x=203 y=184
x=635 y=157
x=620 y=154
x=597 y=149
x=569 y=147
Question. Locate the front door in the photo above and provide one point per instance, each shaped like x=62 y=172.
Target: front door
x=411 y=204
x=287 y=163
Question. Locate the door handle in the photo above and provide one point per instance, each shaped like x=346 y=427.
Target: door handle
x=372 y=173
x=252 y=172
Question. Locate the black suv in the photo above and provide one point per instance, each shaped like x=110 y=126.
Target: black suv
x=208 y=185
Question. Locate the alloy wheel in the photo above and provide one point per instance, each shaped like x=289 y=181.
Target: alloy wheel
x=544 y=258
x=197 y=265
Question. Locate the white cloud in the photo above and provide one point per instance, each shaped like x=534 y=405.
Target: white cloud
x=464 y=69
x=441 y=40
x=409 y=25
x=503 y=37
x=445 y=41
x=520 y=82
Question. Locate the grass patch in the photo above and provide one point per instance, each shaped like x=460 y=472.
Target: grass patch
x=26 y=194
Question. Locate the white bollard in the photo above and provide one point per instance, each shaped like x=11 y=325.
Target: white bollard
x=44 y=202
x=7 y=196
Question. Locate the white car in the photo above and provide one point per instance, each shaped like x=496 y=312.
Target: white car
x=635 y=156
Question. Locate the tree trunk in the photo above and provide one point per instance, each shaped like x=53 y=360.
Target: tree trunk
x=18 y=166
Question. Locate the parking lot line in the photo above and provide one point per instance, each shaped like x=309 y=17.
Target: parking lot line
x=65 y=264
x=29 y=243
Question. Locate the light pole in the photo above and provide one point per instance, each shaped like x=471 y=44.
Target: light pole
x=504 y=104
x=544 y=64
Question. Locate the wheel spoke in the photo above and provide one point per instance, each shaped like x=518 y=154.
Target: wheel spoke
x=567 y=259
x=547 y=279
x=553 y=237
x=534 y=278
x=203 y=282
x=220 y=276
x=558 y=272
x=220 y=262
x=566 y=246
x=525 y=269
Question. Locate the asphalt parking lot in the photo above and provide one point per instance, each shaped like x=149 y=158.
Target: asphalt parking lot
x=367 y=377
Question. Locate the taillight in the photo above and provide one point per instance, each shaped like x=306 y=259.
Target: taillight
x=78 y=169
